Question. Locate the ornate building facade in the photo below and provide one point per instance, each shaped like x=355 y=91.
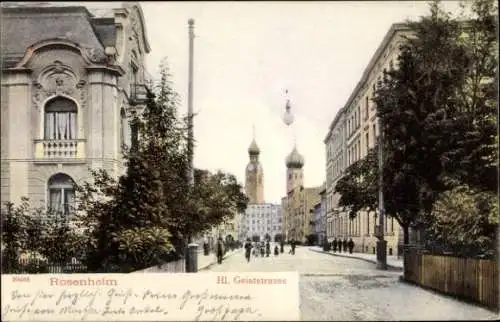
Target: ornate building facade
x=352 y=133
x=71 y=78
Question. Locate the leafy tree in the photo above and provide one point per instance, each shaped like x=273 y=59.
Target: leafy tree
x=472 y=151
x=214 y=199
x=56 y=240
x=134 y=219
x=466 y=221
x=256 y=238
x=417 y=103
x=145 y=215
x=13 y=234
x=358 y=188
x=278 y=238
x=33 y=233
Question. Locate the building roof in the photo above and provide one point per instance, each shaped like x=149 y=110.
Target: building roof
x=25 y=23
x=23 y=27
x=106 y=31
x=294 y=159
x=366 y=73
x=253 y=149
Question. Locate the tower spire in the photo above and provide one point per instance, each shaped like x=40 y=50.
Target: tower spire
x=253 y=131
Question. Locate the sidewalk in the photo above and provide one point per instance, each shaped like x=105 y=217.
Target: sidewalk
x=205 y=262
x=392 y=261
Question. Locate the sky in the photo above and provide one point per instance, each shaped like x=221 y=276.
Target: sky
x=247 y=53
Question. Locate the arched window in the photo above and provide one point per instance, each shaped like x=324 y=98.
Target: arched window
x=61 y=194
x=60 y=119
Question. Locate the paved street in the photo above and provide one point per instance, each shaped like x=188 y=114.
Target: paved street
x=347 y=289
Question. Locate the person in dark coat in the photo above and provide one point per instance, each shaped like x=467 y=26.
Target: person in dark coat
x=220 y=250
x=262 y=251
x=268 y=248
x=282 y=246
x=248 y=249
x=276 y=250
x=339 y=245
x=293 y=244
x=334 y=244
x=344 y=243
x=350 y=244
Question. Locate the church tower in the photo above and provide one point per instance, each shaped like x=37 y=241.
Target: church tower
x=254 y=177
x=294 y=170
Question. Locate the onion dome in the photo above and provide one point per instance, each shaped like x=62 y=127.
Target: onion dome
x=253 y=149
x=294 y=159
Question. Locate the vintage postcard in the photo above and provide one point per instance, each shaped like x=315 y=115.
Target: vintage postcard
x=249 y=161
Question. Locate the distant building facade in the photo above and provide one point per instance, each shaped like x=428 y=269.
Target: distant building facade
x=298 y=205
x=262 y=220
x=352 y=133
x=320 y=217
x=71 y=79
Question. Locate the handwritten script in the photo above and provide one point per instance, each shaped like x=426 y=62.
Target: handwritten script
x=151 y=297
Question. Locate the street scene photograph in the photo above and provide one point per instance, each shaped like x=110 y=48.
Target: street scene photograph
x=353 y=144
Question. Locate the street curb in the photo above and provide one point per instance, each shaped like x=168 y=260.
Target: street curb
x=207 y=266
x=355 y=257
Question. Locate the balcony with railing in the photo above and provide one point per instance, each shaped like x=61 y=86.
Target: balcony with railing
x=140 y=88
x=59 y=149
x=138 y=94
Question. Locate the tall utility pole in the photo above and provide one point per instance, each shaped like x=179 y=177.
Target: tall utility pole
x=381 y=243
x=192 y=248
x=190 y=102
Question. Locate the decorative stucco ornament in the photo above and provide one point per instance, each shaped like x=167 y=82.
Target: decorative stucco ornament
x=58 y=79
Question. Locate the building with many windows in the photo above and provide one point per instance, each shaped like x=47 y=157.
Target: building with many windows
x=352 y=133
x=320 y=217
x=71 y=78
x=262 y=220
x=298 y=205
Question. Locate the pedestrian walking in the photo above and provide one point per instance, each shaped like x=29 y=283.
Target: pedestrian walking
x=276 y=250
x=248 y=249
x=262 y=251
x=344 y=243
x=220 y=250
x=350 y=244
x=293 y=244
x=282 y=245
x=334 y=245
x=268 y=249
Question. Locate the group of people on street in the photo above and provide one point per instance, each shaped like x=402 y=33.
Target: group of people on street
x=343 y=244
x=263 y=249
